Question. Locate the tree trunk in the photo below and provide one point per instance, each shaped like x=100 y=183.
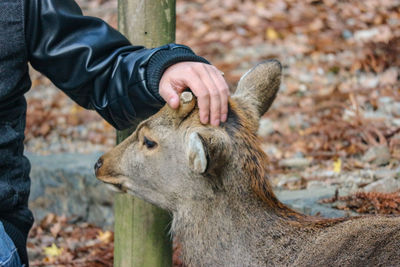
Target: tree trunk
x=141 y=229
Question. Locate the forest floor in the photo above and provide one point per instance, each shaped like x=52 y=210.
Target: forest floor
x=336 y=119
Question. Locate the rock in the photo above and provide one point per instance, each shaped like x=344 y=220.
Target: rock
x=255 y=52
x=396 y=122
x=302 y=88
x=351 y=22
x=307 y=201
x=366 y=35
x=324 y=173
x=266 y=127
x=385 y=104
x=272 y=150
x=379 y=34
x=298 y=163
x=369 y=81
x=292 y=182
x=387 y=185
x=378 y=155
x=395 y=109
x=385 y=100
x=306 y=77
x=298 y=154
x=65 y=184
x=375 y=115
x=316 y=184
x=346 y=34
x=385 y=173
x=298 y=121
x=352 y=181
x=388 y=106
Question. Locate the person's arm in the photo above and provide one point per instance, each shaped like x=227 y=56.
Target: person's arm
x=95 y=65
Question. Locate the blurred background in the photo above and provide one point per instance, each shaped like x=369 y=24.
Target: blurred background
x=335 y=124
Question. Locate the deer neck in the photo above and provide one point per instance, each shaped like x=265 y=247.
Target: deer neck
x=235 y=227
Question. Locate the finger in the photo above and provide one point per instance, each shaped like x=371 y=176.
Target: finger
x=200 y=90
x=206 y=74
x=168 y=93
x=223 y=92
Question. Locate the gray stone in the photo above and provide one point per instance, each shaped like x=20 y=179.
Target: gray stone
x=297 y=120
x=385 y=104
x=353 y=180
x=65 y=184
x=271 y=150
x=395 y=122
x=306 y=77
x=290 y=182
x=386 y=173
x=366 y=35
x=387 y=185
x=384 y=100
x=346 y=34
x=307 y=201
x=315 y=185
x=378 y=155
x=391 y=110
x=297 y=163
x=266 y=127
x=375 y=115
x=369 y=81
x=255 y=52
x=395 y=109
x=324 y=173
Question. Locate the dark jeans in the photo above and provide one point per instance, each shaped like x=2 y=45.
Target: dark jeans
x=8 y=253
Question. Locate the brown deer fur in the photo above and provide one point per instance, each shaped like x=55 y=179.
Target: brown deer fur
x=214 y=180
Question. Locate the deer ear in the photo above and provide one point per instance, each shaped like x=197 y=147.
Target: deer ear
x=257 y=88
x=196 y=153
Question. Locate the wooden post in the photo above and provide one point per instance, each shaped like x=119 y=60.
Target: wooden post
x=141 y=229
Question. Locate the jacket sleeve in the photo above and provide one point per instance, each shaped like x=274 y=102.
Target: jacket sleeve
x=94 y=64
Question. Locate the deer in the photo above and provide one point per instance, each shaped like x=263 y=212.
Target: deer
x=214 y=182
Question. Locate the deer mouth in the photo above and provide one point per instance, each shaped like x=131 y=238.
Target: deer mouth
x=116 y=183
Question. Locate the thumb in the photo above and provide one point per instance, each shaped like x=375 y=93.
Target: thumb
x=170 y=96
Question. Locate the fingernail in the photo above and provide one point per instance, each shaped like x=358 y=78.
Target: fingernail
x=204 y=120
x=223 y=118
x=216 y=122
x=173 y=102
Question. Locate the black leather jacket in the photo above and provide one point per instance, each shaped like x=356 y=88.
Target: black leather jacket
x=94 y=64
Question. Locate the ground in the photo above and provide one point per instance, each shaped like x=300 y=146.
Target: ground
x=336 y=120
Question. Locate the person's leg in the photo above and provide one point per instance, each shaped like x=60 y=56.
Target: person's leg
x=8 y=253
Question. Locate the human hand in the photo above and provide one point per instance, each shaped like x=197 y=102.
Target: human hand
x=207 y=84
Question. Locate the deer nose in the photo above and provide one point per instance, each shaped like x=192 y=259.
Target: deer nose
x=98 y=165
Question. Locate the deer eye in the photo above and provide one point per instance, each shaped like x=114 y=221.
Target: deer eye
x=148 y=143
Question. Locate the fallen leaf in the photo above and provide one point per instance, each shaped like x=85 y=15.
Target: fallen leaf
x=337 y=165
x=52 y=251
x=271 y=34
x=104 y=236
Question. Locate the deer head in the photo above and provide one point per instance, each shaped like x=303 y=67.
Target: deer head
x=172 y=159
